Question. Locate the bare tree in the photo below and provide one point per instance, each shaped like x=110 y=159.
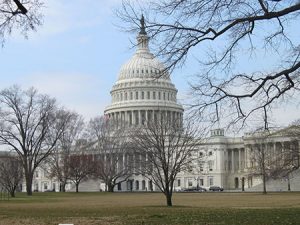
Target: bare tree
x=80 y=164
x=269 y=163
x=30 y=124
x=111 y=151
x=227 y=30
x=19 y=14
x=58 y=161
x=11 y=173
x=261 y=160
x=289 y=154
x=163 y=149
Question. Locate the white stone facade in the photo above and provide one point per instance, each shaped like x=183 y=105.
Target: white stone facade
x=144 y=89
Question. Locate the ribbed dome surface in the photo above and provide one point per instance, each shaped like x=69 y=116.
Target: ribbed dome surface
x=143 y=64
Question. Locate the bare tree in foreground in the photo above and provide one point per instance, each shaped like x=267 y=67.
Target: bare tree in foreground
x=80 y=164
x=271 y=162
x=290 y=154
x=163 y=149
x=227 y=31
x=24 y=15
x=58 y=161
x=11 y=173
x=30 y=125
x=262 y=158
x=111 y=151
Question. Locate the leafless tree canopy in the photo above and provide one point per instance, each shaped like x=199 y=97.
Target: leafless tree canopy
x=274 y=162
x=81 y=165
x=163 y=149
x=58 y=161
x=23 y=15
x=30 y=125
x=11 y=173
x=111 y=151
x=226 y=30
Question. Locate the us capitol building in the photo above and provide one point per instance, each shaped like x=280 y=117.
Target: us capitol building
x=142 y=90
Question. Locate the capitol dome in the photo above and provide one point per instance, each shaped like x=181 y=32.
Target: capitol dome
x=143 y=89
x=143 y=64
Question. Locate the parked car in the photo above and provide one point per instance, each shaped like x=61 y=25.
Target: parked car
x=194 y=189
x=202 y=189
x=215 y=188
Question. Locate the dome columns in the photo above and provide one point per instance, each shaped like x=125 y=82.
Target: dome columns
x=131 y=118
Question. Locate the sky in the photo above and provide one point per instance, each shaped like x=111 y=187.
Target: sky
x=76 y=54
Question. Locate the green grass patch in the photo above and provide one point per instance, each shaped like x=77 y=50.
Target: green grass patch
x=149 y=208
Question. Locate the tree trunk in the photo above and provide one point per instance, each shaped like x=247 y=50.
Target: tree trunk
x=289 y=183
x=29 y=178
x=110 y=187
x=264 y=184
x=77 y=187
x=169 y=199
x=63 y=187
x=12 y=194
x=243 y=184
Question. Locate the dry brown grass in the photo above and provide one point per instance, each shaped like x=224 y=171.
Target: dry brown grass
x=145 y=208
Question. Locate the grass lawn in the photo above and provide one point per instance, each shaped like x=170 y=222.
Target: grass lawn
x=149 y=208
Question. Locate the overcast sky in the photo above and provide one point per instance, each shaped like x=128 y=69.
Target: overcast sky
x=76 y=55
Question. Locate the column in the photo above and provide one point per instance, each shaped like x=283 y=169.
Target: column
x=140 y=117
x=232 y=160
x=133 y=117
x=240 y=163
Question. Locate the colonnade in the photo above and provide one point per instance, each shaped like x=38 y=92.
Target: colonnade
x=241 y=159
x=235 y=159
x=138 y=117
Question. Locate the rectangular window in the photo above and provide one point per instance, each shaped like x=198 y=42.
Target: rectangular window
x=143 y=95
x=178 y=182
x=159 y=95
x=190 y=183
x=210 y=165
x=148 y=95
x=136 y=95
x=154 y=95
x=211 y=181
x=131 y=96
x=201 y=182
x=201 y=167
